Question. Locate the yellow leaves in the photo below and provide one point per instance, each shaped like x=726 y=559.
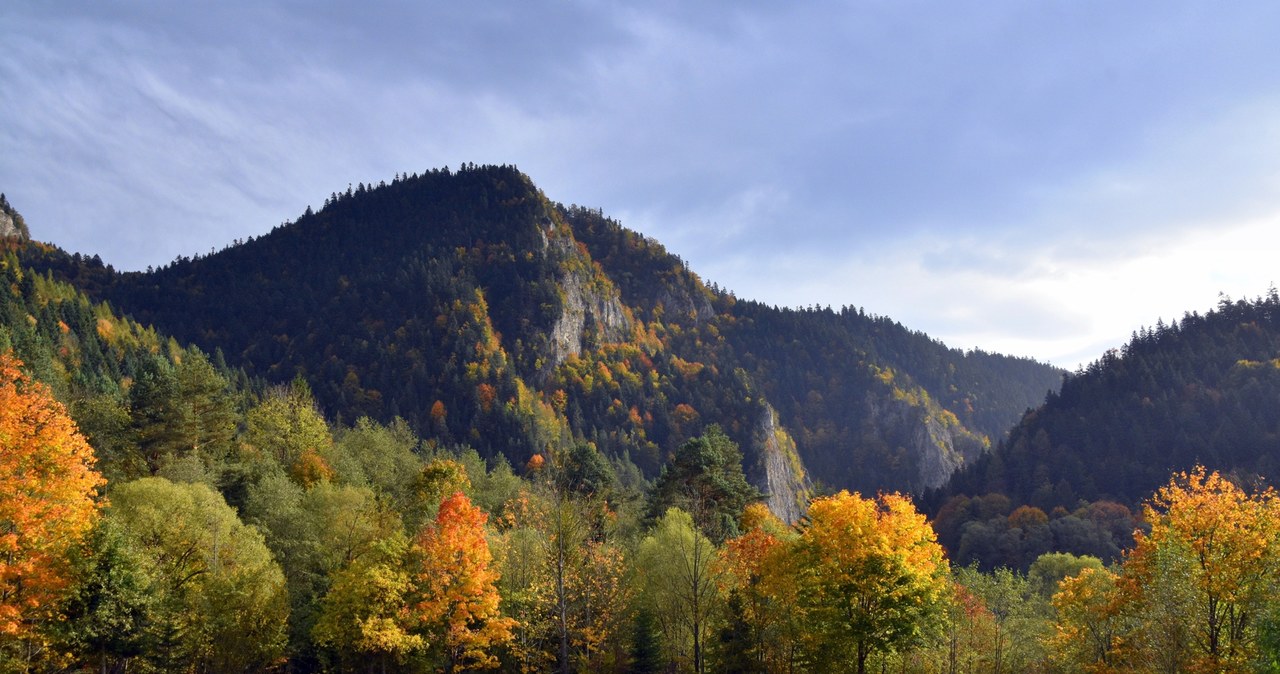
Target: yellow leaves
x=874 y=574
x=1088 y=633
x=364 y=612
x=1192 y=586
x=1230 y=533
x=687 y=369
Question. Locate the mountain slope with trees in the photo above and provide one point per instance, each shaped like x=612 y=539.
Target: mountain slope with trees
x=484 y=314
x=1200 y=391
x=223 y=524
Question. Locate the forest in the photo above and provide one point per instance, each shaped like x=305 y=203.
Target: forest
x=434 y=473
x=260 y=538
x=482 y=313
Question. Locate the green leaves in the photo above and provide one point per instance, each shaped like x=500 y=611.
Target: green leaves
x=219 y=596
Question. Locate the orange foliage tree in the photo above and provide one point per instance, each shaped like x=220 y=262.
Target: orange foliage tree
x=48 y=490
x=762 y=571
x=459 y=603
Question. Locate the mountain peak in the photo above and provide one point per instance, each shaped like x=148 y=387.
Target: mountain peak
x=11 y=222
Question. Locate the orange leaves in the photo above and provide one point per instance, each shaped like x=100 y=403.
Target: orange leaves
x=459 y=604
x=311 y=468
x=47 y=495
x=486 y=393
x=535 y=464
x=684 y=414
x=1228 y=531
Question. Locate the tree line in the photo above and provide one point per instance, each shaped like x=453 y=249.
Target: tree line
x=308 y=547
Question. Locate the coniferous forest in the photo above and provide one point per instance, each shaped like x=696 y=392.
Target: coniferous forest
x=447 y=424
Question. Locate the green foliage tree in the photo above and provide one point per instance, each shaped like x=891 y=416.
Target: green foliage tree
x=1021 y=618
x=286 y=428
x=1051 y=568
x=705 y=480
x=219 y=596
x=679 y=574
x=109 y=607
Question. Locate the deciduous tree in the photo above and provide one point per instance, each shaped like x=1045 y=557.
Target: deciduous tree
x=873 y=576
x=48 y=490
x=459 y=606
x=220 y=602
x=680 y=586
x=1212 y=551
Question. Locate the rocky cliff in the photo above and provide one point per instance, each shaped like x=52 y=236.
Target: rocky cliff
x=11 y=222
x=930 y=440
x=591 y=311
x=786 y=485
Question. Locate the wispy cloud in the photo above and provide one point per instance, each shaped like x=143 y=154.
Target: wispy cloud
x=1026 y=178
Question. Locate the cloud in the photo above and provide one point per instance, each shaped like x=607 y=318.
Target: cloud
x=987 y=173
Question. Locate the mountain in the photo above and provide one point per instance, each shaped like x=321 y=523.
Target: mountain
x=1203 y=391
x=486 y=315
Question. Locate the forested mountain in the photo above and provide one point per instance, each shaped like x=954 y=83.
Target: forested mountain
x=1204 y=390
x=167 y=512
x=472 y=306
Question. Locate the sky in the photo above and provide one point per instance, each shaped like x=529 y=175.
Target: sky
x=1034 y=178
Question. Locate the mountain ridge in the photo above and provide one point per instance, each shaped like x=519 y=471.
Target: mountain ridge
x=486 y=314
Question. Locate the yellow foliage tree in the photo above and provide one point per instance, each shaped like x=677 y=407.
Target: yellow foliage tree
x=1090 y=626
x=873 y=577
x=1207 y=569
x=761 y=570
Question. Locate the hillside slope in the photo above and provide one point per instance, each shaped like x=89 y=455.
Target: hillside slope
x=1205 y=390
x=484 y=314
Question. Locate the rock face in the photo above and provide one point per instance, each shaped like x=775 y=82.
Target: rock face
x=786 y=485
x=683 y=301
x=936 y=444
x=11 y=223
x=591 y=311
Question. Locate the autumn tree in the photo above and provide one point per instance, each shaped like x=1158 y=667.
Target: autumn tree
x=761 y=571
x=365 y=616
x=1090 y=623
x=459 y=604
x=874 y=575
x=48 y=490
x=1209 y=568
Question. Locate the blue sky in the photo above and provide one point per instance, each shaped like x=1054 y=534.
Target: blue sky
x=1032 y=178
